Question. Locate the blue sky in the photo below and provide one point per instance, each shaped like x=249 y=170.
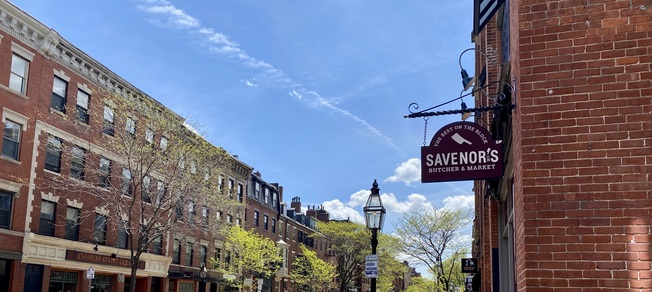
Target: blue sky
x=310 y=93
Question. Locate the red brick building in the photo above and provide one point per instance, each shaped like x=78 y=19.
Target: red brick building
x=269 y=216
x=572 y=211
x=53 y=94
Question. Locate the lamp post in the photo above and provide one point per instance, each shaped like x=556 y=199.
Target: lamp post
x=374 y=214
x=202 y=275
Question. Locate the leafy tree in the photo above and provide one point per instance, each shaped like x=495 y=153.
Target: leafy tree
x=389 y=267
x=310 y=271
x=420 y=284
x=255 y=255
x=350 y=243
x=432 y=237
x=149 y=170
x=452 y=267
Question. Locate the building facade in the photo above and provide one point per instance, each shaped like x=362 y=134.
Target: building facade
x=572 y=210
x=57 y=115
x=289 y=227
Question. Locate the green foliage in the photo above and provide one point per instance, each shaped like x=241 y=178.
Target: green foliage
x=434 y=238
x=389 y=268
x=420 y=284
x=255 y=255
x=350 y=243
x=310 y=271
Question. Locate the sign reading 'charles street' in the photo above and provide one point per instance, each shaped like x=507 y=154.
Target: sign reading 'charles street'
x=461 y=151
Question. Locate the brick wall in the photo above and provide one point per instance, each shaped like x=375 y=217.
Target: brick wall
x=583 y=132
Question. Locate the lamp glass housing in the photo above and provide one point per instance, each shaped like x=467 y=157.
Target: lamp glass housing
x=374 y=212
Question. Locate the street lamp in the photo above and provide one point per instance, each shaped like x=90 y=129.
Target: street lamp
x=202 y=275
x=374 y=215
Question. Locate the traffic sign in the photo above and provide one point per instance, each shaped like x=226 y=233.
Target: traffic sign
x=90 y=273
x=371 y=266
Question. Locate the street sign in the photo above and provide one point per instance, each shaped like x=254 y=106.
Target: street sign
x=468 y=283
x=90 y=273
x=371 y=266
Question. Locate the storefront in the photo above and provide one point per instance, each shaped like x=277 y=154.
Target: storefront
x=7 y=262
x=63 y=281
x=64 y=266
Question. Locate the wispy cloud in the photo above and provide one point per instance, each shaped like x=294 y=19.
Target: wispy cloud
x=170 y=16
x=248 y=83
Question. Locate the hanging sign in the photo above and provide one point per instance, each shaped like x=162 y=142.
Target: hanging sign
x=461 y=151
x=469 y=265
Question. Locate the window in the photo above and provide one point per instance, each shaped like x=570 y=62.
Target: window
x=18 y=77
x=265 y=222
x=77 y=162
x=82 y=106
x=179 y=210
x=202 y=255
x=157 y=247
x=274 y=199
x=227 y=259
x=149 y=135
x=218 y=214
x=218 y=258
x=161 y=190
x=108 y=124
x=229 y=218
x=273 y=225
x=72 y=223
x=204 y=216
x=164 y=143
x=53 y=154
x=126 y=184
x=59 y=89
x=99 y=229
x=240 y=192
x=130 y=126
x=146 y=189
x=176 y=251
x=11 y=140
x=123 y=236
x=46 y=223
x=256 y=218
x=6 y=200
x=104 y=174
x=257 y=190
x=266 y=198
x=189 y=253
x=231 y=188
x=287 y=229
x=191 y=212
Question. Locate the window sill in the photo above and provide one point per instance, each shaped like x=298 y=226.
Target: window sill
x=52 y=172
x=80 y=123
x=16 y=93
x=11 y=160
x=57 y=112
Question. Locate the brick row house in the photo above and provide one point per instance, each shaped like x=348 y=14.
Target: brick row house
x=572 y=210
x=60 y=118
x=269 y=216
x=57 y=116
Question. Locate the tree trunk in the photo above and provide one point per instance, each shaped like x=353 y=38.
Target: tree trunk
x=134 y=269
